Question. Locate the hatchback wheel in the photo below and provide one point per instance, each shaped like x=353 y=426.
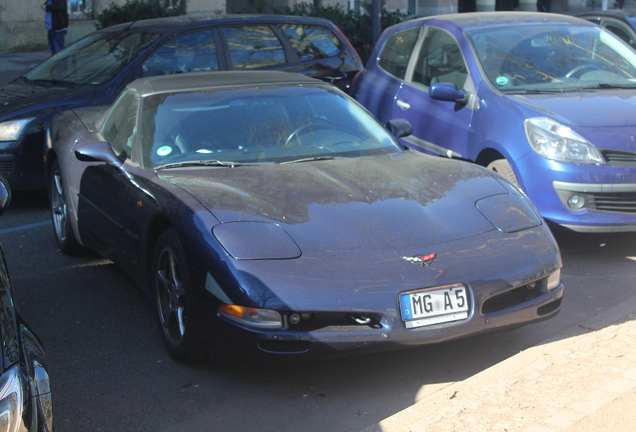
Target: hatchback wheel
x=64 y=235
x=503 y=167
x=173 y=299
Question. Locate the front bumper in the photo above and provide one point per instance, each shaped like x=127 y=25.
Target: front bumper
x=506 y=276
x=583 y=198
x=22 y=162
x=230 y=343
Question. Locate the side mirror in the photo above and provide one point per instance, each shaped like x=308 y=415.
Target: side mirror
x=5 y=194
x=96 y=151
x=447 y=92
x=399 y=128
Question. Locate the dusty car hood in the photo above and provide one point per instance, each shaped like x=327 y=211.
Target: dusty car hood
x=602 y=108
x=390 y=201
x=18 y=98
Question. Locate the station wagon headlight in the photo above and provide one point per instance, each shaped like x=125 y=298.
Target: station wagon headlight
x=11 y=130
x=252 y=317
x=560 y=143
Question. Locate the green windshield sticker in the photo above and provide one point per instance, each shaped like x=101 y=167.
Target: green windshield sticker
x=502 y=80
x=164 y=150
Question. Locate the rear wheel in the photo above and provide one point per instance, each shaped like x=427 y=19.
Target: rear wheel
x=503 y=167
x=172 y=293
x=64 y=235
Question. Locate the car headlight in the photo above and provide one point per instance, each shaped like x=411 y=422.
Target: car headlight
x=560 y=143
x=508 y=213
x=252 y=317
x=11 y=400
x=11 y=130
x=256 y=241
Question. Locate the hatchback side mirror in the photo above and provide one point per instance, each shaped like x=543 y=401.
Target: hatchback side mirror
x=399 y=128
x=5 y=194
x=447 y=92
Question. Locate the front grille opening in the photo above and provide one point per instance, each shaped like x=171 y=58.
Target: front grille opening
x=613 y=202
x=513 y=297
x=619 y=157
x=549 y=308
x=333 y=321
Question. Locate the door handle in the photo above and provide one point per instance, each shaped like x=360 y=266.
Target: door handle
x=403 y=105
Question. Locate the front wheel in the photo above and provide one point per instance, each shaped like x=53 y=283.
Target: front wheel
x=64 y=235
x=503 y=167
x=173 y=298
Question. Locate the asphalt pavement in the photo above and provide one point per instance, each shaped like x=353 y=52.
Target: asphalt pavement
x=582 y=379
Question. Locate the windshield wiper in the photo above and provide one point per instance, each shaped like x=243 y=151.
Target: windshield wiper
x=310 y=159
x=216 y=163
x=535 y=91
x=54 y=82
x=606 y=86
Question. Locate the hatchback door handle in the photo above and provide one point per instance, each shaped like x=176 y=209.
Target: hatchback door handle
x=403 y=105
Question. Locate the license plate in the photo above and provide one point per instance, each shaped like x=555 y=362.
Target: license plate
x=434 y=306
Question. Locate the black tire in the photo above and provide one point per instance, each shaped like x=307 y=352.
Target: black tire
x=62 y=229
x=503 y=167
x=174 y=302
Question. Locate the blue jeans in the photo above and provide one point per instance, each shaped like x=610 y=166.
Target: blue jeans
x=56 y=40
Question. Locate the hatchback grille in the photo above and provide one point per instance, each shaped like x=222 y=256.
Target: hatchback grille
x=7 y=166
x=613 y=202
x=618 y=157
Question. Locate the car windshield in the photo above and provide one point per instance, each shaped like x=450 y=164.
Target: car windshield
x=265 y=125
x=92 y=60
x=553 y=58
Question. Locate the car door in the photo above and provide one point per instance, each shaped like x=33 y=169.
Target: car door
x=438 y=125
x=107 y=196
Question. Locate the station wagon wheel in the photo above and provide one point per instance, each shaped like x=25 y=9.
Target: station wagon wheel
x=172 y=293
x=62 y=229
x=503 y=167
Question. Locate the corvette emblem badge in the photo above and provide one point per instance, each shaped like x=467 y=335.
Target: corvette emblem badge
x=420 y=260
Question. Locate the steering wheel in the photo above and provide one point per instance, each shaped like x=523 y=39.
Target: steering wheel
x=580 y=69
x=309 y=127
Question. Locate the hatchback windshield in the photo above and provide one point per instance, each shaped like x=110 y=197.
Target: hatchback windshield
x=554 y=58
x=257 y=125
x=92 y=60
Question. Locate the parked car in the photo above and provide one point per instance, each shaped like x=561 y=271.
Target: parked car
x=271 y=217
x=95 y=69
x=549 y=101
x=619 y=21
x=25 y=391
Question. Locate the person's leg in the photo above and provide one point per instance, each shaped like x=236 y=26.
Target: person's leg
x=58 y=40
x=50 y=37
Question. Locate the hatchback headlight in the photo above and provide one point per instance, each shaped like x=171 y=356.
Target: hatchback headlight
x=554 y=141
x=11 y=130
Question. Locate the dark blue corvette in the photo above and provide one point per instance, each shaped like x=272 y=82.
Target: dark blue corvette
x=547 y=100
x=270 y=216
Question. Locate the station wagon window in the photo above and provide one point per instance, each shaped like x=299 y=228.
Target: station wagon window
x=440 y=60
x=191 y=52
x=311 y=42
x=254 y=47
x=119 y=128
x=396 y=53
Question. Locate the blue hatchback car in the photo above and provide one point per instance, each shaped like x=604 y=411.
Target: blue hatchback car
x=548 y=101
